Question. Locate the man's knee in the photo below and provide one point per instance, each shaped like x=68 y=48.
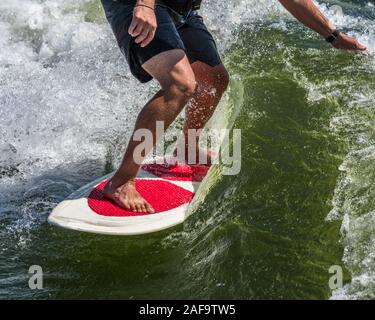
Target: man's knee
x=174 y=73
x=212 y=79
x=182 y=85
x=187 y=87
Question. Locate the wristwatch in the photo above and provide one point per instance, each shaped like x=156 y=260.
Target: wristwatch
x=333 y=36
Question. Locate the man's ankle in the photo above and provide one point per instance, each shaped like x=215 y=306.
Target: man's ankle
x=118 y=182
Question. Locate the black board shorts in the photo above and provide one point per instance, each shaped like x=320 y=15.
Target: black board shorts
x=185 y=31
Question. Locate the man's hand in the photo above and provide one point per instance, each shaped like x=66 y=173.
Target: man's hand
x=143 y=25
x=346 y=42
x=309 y=14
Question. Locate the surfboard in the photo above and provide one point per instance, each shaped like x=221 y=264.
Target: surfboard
x=168 y=188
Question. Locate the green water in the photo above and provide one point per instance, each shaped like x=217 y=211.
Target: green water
x=304 y=110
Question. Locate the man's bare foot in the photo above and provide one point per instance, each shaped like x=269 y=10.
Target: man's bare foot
x=126 y=196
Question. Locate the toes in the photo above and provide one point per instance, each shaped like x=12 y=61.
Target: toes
x=143 y=207
x=122 y=203
x=132 y=202
x=149 y=208
x=125 y=203
x=133 y=207
x=138 y=207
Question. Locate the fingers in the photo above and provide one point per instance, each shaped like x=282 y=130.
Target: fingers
x=149 y=38
x=347 y=42
x=143 y=27
x=137 y=29
x=143 y=35
x=360 y=46
x=132 y=26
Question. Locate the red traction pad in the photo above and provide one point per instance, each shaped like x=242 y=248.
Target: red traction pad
x=181 y=172
x=162 y=195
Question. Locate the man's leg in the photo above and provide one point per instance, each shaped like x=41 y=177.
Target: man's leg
x=176 y=77
x=212 y=83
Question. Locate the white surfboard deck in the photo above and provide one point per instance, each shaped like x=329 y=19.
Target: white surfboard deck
x=75 y=213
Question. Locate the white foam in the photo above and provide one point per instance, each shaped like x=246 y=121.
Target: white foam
x=66 y=89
